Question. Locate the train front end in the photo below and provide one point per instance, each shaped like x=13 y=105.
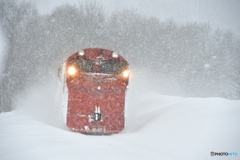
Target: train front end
x=94 y=92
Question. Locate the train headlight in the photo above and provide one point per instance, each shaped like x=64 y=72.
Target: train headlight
x=72 y=71
x=125 y=73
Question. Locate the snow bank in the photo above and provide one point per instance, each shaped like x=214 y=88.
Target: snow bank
x=157 y=127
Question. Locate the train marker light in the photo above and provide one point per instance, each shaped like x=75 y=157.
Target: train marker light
x=81 y=53
x=114 y=55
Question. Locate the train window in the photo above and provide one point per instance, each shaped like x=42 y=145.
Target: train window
x=87 y=65
x=111 y=67
x=107 y=66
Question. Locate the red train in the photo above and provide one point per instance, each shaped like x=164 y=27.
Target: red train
x=94 y=88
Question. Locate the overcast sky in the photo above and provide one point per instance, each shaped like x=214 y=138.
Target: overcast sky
x=224 y=14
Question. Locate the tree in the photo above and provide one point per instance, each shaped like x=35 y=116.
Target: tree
x=13 y=15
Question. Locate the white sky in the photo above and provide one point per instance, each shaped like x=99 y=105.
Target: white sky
x=224 y=14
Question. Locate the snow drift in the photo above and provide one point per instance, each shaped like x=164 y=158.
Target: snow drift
x=157 y=127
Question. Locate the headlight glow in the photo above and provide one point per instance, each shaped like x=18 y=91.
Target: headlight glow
x=72 y=70
x=125 y=73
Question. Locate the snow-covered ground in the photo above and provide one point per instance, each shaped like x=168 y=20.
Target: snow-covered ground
x=157 y=127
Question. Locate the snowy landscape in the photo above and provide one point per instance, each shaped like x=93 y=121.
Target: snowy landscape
x=183 y=98
x=157 y=127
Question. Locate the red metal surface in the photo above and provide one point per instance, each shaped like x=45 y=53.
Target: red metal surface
x=96 y=101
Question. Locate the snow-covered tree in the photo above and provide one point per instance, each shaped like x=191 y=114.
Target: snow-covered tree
x=13 y=16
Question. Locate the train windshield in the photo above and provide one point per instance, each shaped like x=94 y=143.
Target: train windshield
x=102 y=66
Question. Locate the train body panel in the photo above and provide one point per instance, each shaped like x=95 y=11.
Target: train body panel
x=94 y=91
